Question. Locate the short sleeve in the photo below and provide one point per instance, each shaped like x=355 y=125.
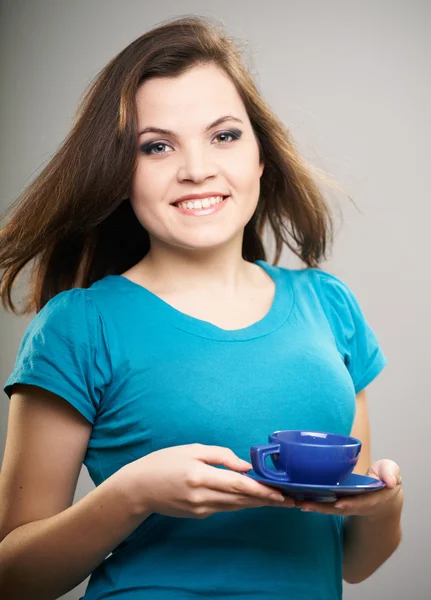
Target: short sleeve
x=355 y=339
x=64 y=350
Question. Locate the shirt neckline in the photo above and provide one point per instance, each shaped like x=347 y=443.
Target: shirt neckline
x=276 y=316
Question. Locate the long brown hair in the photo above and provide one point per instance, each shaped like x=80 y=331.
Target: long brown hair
x=73 y=223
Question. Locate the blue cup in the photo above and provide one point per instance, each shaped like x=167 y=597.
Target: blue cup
x=311 y=457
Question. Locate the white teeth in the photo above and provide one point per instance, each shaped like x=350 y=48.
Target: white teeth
x=204 y=203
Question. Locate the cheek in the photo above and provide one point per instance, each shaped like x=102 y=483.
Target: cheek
x=147 y=189
x=248 y=180
x=244 y=169
x=145 y=180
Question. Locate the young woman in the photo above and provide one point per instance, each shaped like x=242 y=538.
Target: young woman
x=165 y=346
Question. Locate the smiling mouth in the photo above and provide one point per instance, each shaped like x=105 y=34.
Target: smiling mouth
x=202 y=207
x=196 y=203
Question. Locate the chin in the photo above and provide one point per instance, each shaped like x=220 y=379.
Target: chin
x=202 y=244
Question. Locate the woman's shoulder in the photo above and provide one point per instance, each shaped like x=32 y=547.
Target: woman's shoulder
x=317 y=281
x=73 y=313
x=332 y=293
x=80 y=299
x=60 y=304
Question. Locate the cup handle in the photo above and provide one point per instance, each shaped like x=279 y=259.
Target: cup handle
x=258 y=455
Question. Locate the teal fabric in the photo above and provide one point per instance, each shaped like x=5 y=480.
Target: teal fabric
x=148 y=376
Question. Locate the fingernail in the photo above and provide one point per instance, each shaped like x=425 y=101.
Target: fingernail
x=277 y=497
x=341 y=505
x=395 y=479
x=307 y=509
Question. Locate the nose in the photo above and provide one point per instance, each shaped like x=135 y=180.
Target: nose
x=196 y=165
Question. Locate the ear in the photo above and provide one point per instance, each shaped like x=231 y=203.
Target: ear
x=261 y=168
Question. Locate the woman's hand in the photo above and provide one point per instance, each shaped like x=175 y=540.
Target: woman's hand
x=181 y=482
x=382 y=503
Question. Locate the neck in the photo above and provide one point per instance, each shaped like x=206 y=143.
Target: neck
x=173 y=270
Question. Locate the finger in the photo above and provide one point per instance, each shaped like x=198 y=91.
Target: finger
x=391 y=477
x=219 y=455
x=387 y=471
x=227 y=481
x=286 y=502
x=228 y=502
x=372 y=473
x=354 y=505
x=390 y=480
x=328 y=508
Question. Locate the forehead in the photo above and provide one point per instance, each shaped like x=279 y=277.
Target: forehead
x=203 y=93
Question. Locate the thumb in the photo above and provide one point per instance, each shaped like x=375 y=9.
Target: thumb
x=387 y=471
x=219 y=455
x=372 y=473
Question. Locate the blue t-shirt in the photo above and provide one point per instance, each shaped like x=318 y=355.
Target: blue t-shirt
x=148 y=376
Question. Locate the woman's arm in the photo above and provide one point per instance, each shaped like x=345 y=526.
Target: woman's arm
x=369 y=540
x=47 y=545
x=45 y=559
x=372 y=528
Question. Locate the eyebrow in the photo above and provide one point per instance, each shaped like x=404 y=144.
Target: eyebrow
x=173 y=134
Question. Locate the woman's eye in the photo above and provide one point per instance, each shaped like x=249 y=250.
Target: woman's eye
x=148 y=148
x=236 y=134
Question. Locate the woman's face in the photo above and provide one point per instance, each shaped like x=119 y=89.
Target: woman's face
x=197 y=157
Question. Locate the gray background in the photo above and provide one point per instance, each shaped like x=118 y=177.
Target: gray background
x=352 y=80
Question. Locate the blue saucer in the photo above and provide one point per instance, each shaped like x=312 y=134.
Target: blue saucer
x=352 y=486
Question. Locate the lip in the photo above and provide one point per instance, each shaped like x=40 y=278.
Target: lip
x=199 y=196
